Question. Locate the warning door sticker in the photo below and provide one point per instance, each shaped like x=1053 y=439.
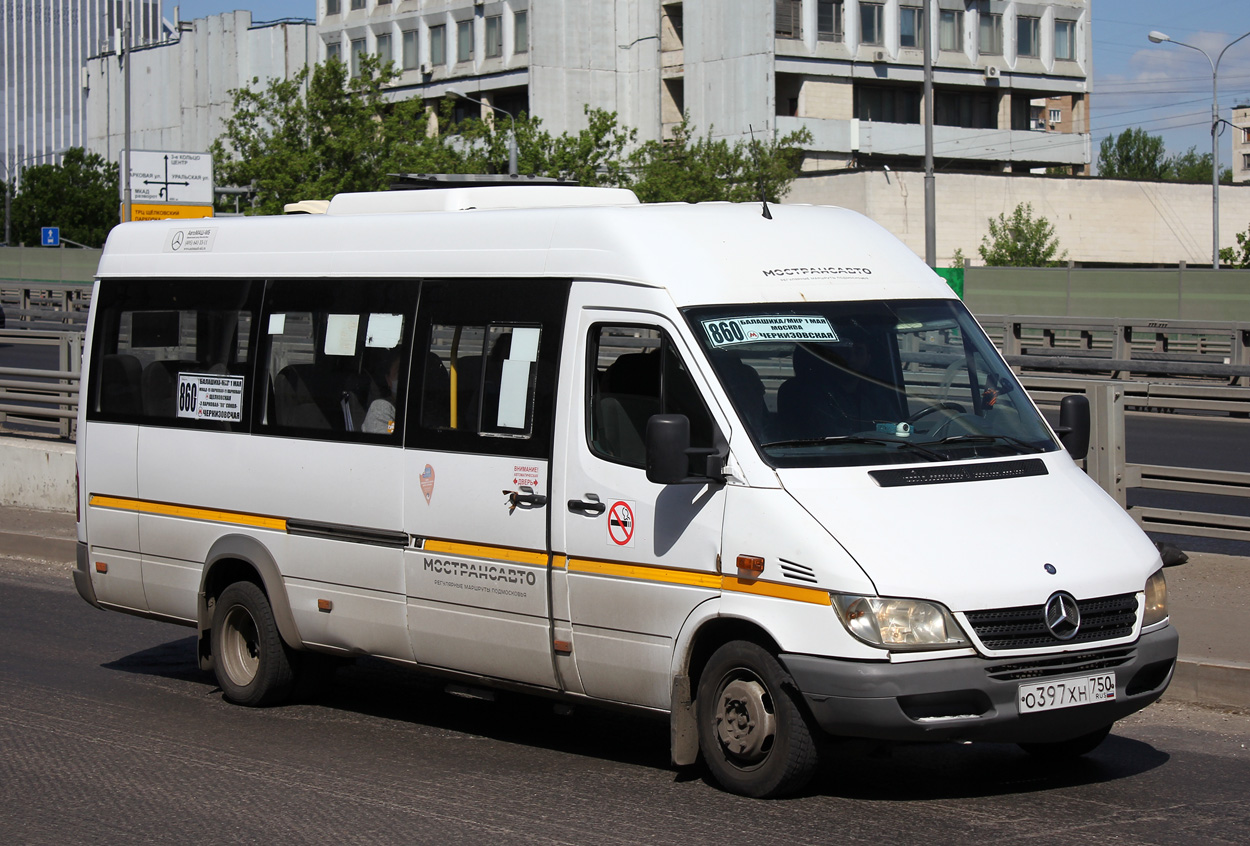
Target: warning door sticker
x=621 y=523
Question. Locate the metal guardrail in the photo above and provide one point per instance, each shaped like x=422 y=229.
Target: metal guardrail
x=43 y=398
x=1123 y=346
x=54 y=306
x=1106 y=463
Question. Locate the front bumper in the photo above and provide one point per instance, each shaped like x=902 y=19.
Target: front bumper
x=82 y=576
x=974 y=698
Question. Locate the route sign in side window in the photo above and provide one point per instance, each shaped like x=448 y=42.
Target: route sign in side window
x=486 y=359
x=336 y=358
x=173 y=353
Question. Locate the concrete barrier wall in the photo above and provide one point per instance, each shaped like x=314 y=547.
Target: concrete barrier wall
x=37 y=474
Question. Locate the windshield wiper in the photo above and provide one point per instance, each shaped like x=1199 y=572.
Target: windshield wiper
x=857 y=439
x=988 y=439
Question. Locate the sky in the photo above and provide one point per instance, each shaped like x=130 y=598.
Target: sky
x=1162 y=88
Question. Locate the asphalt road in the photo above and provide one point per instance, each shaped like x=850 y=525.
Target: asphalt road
x=109 y=733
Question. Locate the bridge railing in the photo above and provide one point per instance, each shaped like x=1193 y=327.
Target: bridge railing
x=1107 y=464
x=47 y=305
x=43 y=399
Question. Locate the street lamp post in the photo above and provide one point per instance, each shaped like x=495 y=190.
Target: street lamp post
x=511 y=126
x=1157 y=37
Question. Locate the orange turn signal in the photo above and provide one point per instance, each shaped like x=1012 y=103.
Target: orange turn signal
x=101 y=567
x=325 y=605
x=751 y=563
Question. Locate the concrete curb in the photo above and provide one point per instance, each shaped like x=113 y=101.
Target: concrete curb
x=1211 y=684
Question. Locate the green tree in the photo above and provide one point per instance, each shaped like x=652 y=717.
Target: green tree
x=1133 y=154
x=1021 y=241
x=1239 y=256
x=324 y=132
x=79 y=195
x=1190 y=166
x=694 y=169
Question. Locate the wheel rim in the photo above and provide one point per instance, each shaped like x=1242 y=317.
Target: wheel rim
x=240 y=646
x=746 y=722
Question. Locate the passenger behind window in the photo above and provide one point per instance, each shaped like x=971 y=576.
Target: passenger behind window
x=380 y=418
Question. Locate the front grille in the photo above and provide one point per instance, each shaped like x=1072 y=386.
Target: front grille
x=1105 y=618
x=1061 y=665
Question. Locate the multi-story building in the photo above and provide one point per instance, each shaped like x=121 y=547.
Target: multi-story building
x=849 y=71
x=43 y=45
x=181 y=88
x=1241 y=143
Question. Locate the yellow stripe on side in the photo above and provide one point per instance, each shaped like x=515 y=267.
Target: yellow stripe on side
x=559 y=562
x=496 y=553
x=798 y=594
x=649 y=574
x=167 y=510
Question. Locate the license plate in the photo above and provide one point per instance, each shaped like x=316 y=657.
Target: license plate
x=1066 y=693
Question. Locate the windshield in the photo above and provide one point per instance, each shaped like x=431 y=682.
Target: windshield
x=875 y=382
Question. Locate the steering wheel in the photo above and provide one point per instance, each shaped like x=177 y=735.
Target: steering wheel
x=933 y=409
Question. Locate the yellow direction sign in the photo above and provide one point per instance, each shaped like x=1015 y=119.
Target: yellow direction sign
x=164 y=211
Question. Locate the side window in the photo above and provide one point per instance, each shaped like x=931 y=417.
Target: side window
x=336 y=358
x=487 y=353
x=173 y=353
x=634 y=373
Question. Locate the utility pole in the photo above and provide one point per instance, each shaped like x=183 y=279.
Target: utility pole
x=125 y=169
x=930 y=188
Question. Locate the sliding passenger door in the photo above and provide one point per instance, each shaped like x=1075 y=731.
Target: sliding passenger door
x=477 y=473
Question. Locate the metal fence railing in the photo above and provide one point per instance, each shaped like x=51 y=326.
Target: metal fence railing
x=43 y=399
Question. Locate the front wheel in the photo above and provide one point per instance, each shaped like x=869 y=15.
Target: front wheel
x=252 y=664
x=753 y=731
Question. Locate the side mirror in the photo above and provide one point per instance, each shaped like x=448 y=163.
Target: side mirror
x=1074 y=425
x=668 y=438
x=669 y=452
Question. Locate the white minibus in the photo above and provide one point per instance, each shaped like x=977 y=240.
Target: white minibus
x=762 y=476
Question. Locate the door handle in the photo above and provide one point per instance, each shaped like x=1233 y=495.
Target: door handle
x=525 y=498
x=591 y=505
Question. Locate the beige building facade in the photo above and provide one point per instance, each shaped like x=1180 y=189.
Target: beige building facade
x=1097 y=221
x=1241 y=144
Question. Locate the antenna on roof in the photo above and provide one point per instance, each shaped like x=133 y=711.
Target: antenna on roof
x=756 y=151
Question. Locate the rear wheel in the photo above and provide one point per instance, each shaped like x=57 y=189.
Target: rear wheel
x=252 y=664
x=753 y=731
x=1065 y=749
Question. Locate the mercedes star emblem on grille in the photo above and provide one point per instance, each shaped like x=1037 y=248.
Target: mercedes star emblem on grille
x=1063 y=615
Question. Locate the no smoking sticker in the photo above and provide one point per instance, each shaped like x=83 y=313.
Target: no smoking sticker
x=621 y=523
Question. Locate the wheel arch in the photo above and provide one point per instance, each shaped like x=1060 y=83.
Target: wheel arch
x=705 y=632
x=235 y=558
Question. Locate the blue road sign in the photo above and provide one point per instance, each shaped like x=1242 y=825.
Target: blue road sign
x=50 y=236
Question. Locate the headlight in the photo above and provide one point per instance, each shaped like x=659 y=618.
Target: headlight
x=1156 y=600
x=899 y=623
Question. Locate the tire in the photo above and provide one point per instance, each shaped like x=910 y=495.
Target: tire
x=252 y=664
x=753 y=731
x=1067 y=749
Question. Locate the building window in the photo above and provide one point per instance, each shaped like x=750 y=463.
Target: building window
x=889 y=104
x=357 y=5
x=334 y=51
x=332 y=7
x=951 y=31
x=1065 y=40
x=438 y=45
x=358 y=55
x=521 y=36
x=968 y=109
x=384 y=48
x=1055 y=115
x=494 y=36
x=789 y=23
x=829 y=20
x=464 y=41
x=411 y=52
x=910 y=27
x=990 y=34
x=384 y=2
x=871 y=19
x=1027 y=41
